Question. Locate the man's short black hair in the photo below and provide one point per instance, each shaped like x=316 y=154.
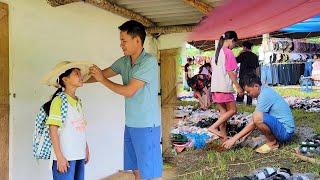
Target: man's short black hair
x=247 y=44
x=251 y=79
x=134 y=29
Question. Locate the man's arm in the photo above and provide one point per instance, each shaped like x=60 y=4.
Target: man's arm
x=125 y=90
x=107 y=73
x=257 y=66
x=245 y=131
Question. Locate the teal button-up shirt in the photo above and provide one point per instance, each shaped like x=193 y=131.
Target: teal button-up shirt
x=142 y=109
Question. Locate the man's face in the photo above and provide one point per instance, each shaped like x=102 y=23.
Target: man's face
x=128 y=44
x=253 y=91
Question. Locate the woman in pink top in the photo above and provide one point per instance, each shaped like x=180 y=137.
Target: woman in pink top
x=223 y=78
x=316 y=70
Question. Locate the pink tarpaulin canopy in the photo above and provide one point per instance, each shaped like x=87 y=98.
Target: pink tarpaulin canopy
x=254 y=17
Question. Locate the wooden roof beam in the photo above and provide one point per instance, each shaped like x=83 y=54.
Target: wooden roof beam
x=106 y=5
x=55 y=3
x=169 y=29
x=199 y=5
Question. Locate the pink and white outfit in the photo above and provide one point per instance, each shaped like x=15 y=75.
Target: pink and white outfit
x=221 y=84
x=316 y=72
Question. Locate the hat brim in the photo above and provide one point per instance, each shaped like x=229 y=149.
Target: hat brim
x=51 y=78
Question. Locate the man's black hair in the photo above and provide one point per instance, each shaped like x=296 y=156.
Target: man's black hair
x=134 y=29
x=247 y=44
x=251 y=79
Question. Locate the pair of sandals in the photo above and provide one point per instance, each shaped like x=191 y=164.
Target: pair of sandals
x=204 y=123
x=267 y=173
x=270 y=173
x=179 y=139
x=310 y=147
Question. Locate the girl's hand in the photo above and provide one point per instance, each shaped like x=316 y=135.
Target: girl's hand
x=240 y=91
x=87 y=154
x=63 y=164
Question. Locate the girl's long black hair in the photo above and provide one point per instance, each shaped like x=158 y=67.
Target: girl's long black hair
x=227 y=35
x=46 y=106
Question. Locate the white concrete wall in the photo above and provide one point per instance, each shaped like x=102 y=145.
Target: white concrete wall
x=40 y=37
x=174 y=40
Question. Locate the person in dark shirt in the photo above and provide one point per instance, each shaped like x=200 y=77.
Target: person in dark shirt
x=249 y=64
x=187 y=73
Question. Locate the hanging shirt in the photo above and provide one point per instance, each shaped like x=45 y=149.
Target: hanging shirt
x=316 y=70
x=261 y=53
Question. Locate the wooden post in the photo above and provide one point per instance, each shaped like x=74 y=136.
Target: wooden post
x=168 y=61
x=216 y=42
x=4 y=92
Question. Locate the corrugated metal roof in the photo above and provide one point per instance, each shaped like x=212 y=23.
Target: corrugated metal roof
x=165 y=12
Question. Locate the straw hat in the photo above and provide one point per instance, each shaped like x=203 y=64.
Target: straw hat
x=50 y=79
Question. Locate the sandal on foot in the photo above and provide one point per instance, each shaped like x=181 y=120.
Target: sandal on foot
x=264 y=149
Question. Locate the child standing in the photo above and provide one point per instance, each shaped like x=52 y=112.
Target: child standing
x=316 y=70
x=70 y=148
x=223 y=77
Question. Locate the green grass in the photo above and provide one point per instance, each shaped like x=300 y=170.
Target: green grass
x=238 y=162
x=204 y=164
x=297 y=92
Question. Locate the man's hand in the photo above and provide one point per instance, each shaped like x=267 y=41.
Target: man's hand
x=229 y=143
x=96 y=72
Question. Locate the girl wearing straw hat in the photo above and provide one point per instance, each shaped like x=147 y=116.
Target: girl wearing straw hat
x=68 y=134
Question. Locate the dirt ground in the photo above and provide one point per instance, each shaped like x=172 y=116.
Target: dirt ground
x=168 y=173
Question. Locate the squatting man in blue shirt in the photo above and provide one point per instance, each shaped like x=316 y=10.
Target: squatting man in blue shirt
x=272 y=116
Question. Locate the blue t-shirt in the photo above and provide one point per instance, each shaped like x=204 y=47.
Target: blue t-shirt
x=272 y=103
x=142 y=109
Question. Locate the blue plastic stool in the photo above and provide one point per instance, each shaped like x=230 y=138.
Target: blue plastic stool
x=306 y=84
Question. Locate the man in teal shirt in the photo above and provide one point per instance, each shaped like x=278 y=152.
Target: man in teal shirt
x=273 y=116
x=139 y=71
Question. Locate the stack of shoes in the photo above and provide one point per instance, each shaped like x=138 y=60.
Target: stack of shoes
x=204 y=123
x=237 y=123
x=310 y=147
x=179 y=141
x=308 y=104
x=179 y=138
x=272 y=173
